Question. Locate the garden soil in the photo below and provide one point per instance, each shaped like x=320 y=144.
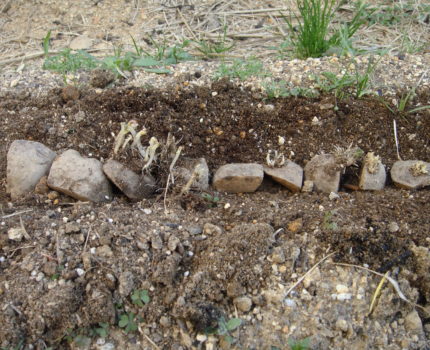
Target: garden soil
x=197 y=253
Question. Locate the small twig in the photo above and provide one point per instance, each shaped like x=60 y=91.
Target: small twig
x=19 y=248
x=187 y=25
x=395 y=139
x=33 y=56
x=307 y=273
x=152 y=342
x=49 y=257
x=15 y=309
x=391 y=280
x=17 y=213
x=86 y=239
x=377 y=293
x=26 y=235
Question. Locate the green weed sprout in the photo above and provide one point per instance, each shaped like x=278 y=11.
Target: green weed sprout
x=241 y=69
x=140 y=297
x=406 y=99
x=210 y=49
x=225 y=327
x=128 y=322
x=299 y=344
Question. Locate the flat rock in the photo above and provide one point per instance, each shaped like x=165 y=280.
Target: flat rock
x=238 y=177
x=131 y=184
x=188 y=167
x=79 y=177
x=373 y=175
x=27 y=163
x=323 y=171
x=411 y=174
x=290 y=175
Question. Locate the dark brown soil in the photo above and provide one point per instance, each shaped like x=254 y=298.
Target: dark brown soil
x=233 y=125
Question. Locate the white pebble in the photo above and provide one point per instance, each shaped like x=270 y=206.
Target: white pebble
x=80 y=272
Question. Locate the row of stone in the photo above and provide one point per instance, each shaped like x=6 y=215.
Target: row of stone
x=31 y=166
x=322 y=173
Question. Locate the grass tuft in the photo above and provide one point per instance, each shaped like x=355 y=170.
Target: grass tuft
x=310 y=37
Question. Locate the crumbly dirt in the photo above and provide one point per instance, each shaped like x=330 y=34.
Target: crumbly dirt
x=196 y=255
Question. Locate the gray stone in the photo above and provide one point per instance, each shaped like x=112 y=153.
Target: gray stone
x=243 y=303
x=131 y=184
x=15 y=234
x=411 y=174
x=104 y=251
x=72 y=227
x=27 y=163
x=210 y=229
x=188 y=167
x=126 y=283
x=290 y=175
x=278 y=255
x=413 y=323
x=79 y=177
x=238 y=177
x=373 y=175
x=324 y=172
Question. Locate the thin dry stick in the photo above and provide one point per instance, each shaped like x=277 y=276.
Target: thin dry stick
x=376 y=294
x=187 y=25
x=395 y=138
x=307 y=273
x=86 y=239
x=17 y=213
x=12 y=252
x=252 y=11
x=26 y=235
x=391 y=280
x=152 y=342
x=33 y=56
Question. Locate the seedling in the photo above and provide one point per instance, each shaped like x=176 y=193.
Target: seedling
x=103 y=329
x=140 y=297
x=299 y=344
x=210 y=49
x=241 y=69
x=278 y=159
x=328 y=222
x=277 y=89
x=128 y=322
x=213 y=200
x=225 y=327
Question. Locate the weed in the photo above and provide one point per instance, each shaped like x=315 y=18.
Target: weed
x=140 y=297
x=225 y=327
x=128 y=322
x=216 y=48
x=102 y=330
x=356 y=84
x=406 y=100
x=241 y=69
x=328 y=223
x=277 y=89
x=310 y=37
x=67 y=61
x=212 y=200
x=299 y=344
x=46 y=43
